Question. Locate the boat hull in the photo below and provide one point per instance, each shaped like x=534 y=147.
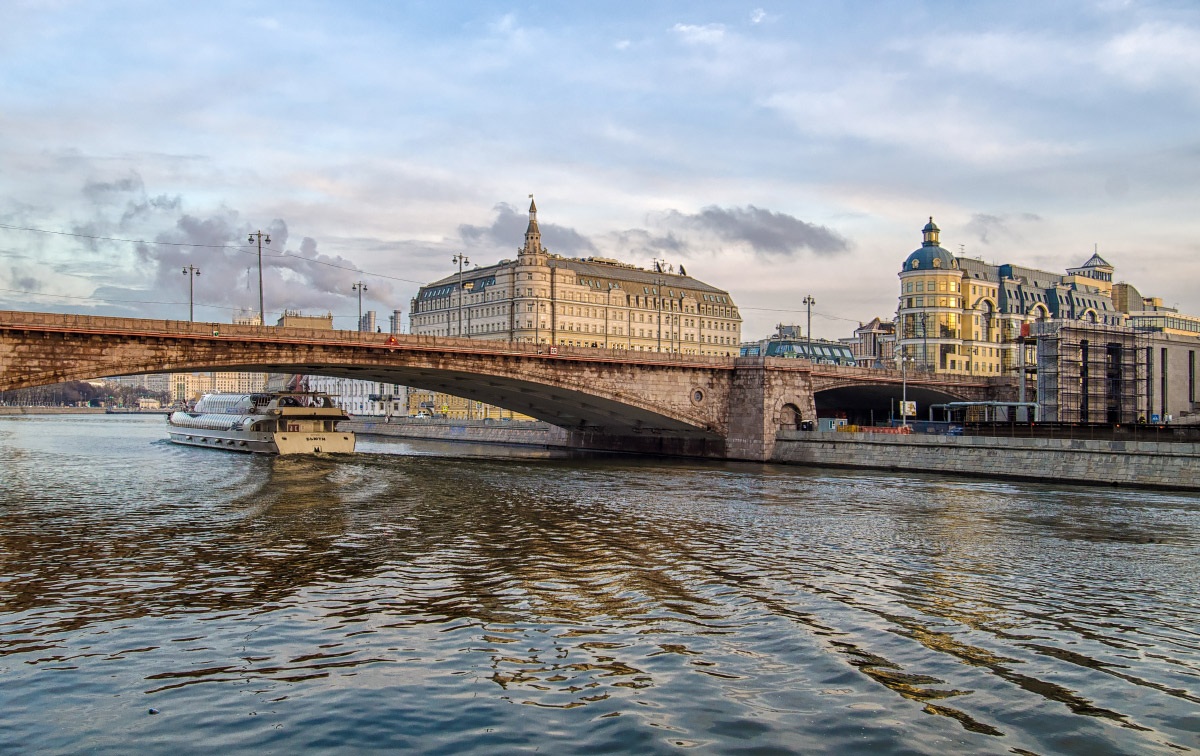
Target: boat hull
x=309 y=442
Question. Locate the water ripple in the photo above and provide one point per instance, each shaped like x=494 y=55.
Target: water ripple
x=475 y=605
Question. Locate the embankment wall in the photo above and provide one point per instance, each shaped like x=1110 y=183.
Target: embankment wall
x=51 y=410
x=1118 y=463
x=475 y=431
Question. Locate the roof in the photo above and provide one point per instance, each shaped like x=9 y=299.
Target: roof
x=925 y=257
x=1096 y=261
x=592 y=269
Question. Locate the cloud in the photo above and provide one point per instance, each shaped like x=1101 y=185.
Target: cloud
x=508 y=229
x=708 y=34
x=1000 y=228
x=107 y=191
x=757 y=16
x=765 y=231
x=1154 y=54
x=22 y=280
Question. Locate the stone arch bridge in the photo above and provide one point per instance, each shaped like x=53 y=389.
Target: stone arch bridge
x=606 y=399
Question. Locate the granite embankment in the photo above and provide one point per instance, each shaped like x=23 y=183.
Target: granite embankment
x=1147 y=464
x=475 y=431
x=51 y=410
x=1117 y=463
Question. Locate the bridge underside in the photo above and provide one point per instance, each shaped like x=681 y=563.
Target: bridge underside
x=569 y=409
x=867 y=404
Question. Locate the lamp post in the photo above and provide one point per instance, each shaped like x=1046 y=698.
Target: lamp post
x=809 y=302
x=261 y=237
x=461 y=259
x=904 y=360
x=360 y=287
x=191 y=272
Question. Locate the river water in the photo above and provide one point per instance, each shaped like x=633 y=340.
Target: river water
x=451 y=599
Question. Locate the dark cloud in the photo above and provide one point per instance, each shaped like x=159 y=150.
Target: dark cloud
x=508 y=231
x=638 y=242
x=989 y=228
x=105 y=191
x=24 y=281
x=303 y=279
x=767 y=232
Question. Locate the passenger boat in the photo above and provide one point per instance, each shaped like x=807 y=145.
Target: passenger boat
x=288 y=422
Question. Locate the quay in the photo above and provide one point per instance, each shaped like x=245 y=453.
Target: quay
x=1136 y=464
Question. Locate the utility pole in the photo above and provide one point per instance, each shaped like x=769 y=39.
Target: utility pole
x=461 y=259
x=470 y=287
x=261 y=237
x=809 y=302
x=191 y=272
x=360 y=287
x=658 y=300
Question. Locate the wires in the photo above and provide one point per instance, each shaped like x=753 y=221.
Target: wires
x=110 y=300
x=236 y=248
x=253 y=250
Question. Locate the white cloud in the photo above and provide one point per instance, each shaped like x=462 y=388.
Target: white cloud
x=889 y=110
x=708 y=34
x=757 y=15
x=1154 y=54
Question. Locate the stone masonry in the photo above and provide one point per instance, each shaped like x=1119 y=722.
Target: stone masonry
x=605 y=399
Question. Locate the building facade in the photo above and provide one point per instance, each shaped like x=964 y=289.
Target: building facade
x=595 y=302
x=361 y=398
x=963 y=316
x=873 y=344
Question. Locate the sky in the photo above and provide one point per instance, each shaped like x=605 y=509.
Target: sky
x=776 y=151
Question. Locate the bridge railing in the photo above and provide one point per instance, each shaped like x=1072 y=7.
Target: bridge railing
x=103 y=324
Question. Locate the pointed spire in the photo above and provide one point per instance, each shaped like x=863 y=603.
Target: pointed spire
x=533 y=236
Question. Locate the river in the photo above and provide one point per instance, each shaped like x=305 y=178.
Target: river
x=457 y=599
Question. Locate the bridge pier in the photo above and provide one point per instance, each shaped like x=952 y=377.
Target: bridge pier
x=758 y=397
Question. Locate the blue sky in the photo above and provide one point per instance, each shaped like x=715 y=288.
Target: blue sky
x=774 y=150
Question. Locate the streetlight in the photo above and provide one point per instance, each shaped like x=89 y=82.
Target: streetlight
x=360 y=287
x=191 y=272
x=461 y=259
x=809 y=302
x=261 y=237
x=904 y=360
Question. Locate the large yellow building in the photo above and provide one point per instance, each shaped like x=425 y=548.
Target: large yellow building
x=595 y=302
x=963 y=316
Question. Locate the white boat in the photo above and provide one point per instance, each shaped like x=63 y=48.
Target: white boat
x=288 y=422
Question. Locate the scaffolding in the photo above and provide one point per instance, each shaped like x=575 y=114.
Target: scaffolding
x=1092 y=372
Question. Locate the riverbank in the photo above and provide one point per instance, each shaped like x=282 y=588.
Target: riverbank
x=515 y=432
x=51 y=410
x=1142 y=464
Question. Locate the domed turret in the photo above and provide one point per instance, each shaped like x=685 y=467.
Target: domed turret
x=930 y=255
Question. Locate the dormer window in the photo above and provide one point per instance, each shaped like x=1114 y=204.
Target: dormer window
x=937 y=262
x=916 y=264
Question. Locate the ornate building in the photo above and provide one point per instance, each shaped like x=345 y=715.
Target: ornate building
x=961 y=315
x=595 y=302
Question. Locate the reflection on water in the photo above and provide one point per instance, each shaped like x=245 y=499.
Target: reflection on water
x=481 y=599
